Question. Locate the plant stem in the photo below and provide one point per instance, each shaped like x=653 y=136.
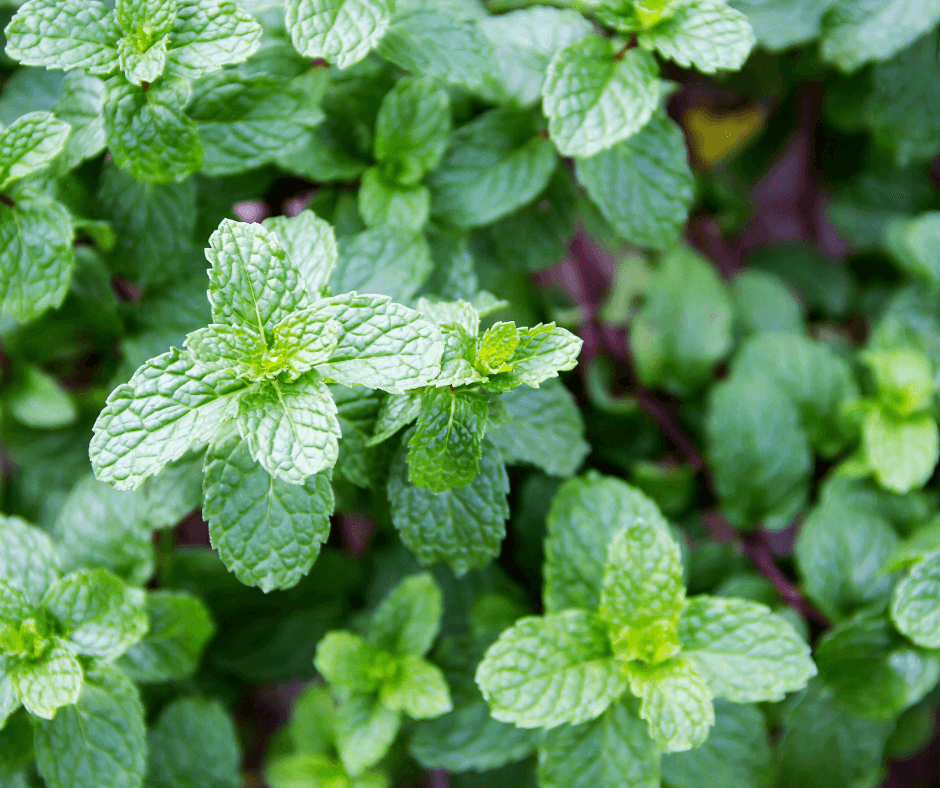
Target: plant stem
x=502 y=6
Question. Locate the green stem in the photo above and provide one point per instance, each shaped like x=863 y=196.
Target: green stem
x=502 y=6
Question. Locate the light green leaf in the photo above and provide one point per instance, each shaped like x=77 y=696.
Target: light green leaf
x=97 y=615
x=390 y=261
x=101 y=741
x=81 y=105
x=15 y=609
x=44 y=686
x=348 y=662
x=383 y=346
x=763 y=303
x=310 y=243
x=36 y=257
x=30 y=143
x=642 y=594
x=339 y=31
x=209 y=34
x=411 y=130
x=397 y=411
x=64 y=34
x=447 y=443
x=148 y=133
x=913 y=245
x=194 y=744
x=780 y=24
x=545 y=672
x=168 y=405
x=141 y=66
x=9 y=702
x=463 y=527
x=676 y=703
x=613 y=751
x=704 y=34
x=924 y=541
x=408 y=620
x=594 y=99
x=856 y=32
x=146 y=17
x=233 y=349
x=494 y=165
x=27 y=558
x=915 y=604
x=384 y=203
x=365 y=730
x=902 y=453
x=267 y=532
x=418 y=689
x=180 y=628
x=904 y=379
x=543 y=351
x=38 y=401
x=745 y=652
x=303 y=340
x=312 y=720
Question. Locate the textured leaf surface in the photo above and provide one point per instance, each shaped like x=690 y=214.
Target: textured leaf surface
x=348 y=662
x=339 y=31
x=391 y=261
x=310 y=243
x=209 y=34
x=915 y=605
x=27 y=558
x=30 y=143
x=744 y=652
x=44 y=686
x=409 y=618
x=267 y=532
x=463 y=527
x=418 y=689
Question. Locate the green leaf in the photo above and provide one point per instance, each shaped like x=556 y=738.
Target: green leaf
x=780 y=24
x=154 y=17
x=676 y=703
x=100 y=741
x=64 y=34
x=97 y=615
x=27 y=558
x=902 y=453
x=585 y=515
x=704 y=34
x=397 y=411
x=545 y=672
x=310 y=243
x=912 y=243
x=613 y=751
x=904 y=379
x=494 y=165
x=643 y=185
x=543 y=351
x=464 y=527
x=168 y=405
x=744 y=652
x=642 y=593
x=383 y=346
x=209 y=34
x=36 y=257
x=267 y=532
x=418 y=689
x=409 y=618
x=447 y=443
x=148 y=133
x=9 y=702
x=594 y=99
x=924 y=541
x=383 y=203
x=388 y=260
x=872 y=670
x=339 y=31
x=81 y=105
x=194 y=744
x=38 y=401
x=839 y=554
x=140 y=66
x=291 y=428
x=411 y=129
x=915 y=604
x=856 y=32
x=44 y=686
x=758 y=451
x=764 y=304
x=29 y=144
x=365 y=730
x=180 y=628
x=348 y=662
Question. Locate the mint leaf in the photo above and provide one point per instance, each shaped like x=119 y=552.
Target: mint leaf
x=396 y=412
x=642 y=593
x=100 y=741
x=45 y=685
x=585 y=515
x=904 y=380
x=27 y=558
x=613 y=751
x=365 y=730
x=911 y=243
x=447 y=443
x=339 y=31
x=463 y=527
x=348 y=662
x=140 y=67
x=409 y=618
x=676 y=703
x=643 y=185
x=744 y=652
x=902 y=452
x=9 y=702
x=36 y=257
x=418 y=689
x=97 y=615
x=780 y=25
x=545 y=672
x=291 y=428
x=209 y=34
x=594 y=99
x=30 y=143
x=39 y=401
x=180 y=628
x=267 y=532
x=154 y=17
x=64 y=34
x=391 y=260
x=194 y=744
x=168 y=405
x=763 y=303
x=914 y=605
x=493 y=165
x=81 y=105
x=543 y=351
x=705 y=34
x=310 y=243
x=383 y=203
